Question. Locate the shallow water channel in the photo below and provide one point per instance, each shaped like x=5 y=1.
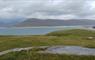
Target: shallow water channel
x=74 y=50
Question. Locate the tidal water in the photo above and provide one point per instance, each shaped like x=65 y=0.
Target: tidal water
x=33 y=30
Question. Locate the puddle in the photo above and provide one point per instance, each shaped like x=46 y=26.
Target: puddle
x=75 y=50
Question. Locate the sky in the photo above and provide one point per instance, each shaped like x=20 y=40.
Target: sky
x=52 y=9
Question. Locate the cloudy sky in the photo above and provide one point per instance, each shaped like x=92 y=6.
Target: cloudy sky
x=55 y=9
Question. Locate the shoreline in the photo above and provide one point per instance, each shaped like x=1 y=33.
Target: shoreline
x=55 y=50
x=40 y=27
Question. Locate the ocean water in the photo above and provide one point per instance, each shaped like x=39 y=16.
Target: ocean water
x=34 y=30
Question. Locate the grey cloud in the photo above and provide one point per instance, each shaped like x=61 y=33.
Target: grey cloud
x=47 y=8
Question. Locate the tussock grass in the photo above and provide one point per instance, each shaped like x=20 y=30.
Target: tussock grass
x=75 y=37
x=69 y=37
x=31 y=55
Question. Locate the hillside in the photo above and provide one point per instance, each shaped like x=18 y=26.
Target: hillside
x=54 y=22
x=10 y=22
x=73 y=32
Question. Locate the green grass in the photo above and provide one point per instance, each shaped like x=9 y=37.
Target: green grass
x=31 y=55
x=75 y=37
x=73 y=32
x=70 y=37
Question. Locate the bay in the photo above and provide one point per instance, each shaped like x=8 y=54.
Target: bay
x=33 y=30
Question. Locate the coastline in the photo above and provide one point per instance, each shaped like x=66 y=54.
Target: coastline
x=40 y=27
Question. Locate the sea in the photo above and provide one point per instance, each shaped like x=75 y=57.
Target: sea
x=41 y=30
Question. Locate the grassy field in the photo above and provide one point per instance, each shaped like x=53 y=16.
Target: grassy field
x=70 y=37
x=31 y=55
x=75 y=37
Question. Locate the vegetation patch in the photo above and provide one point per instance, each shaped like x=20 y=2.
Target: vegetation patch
x=31 y=55
x=74 y=37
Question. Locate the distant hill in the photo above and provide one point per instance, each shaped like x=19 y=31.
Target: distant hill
x=54 y=22
x=9 y=22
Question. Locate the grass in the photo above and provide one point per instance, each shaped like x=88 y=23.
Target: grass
x=75 y=37
x=73 y=32
x=70 y=37
x=31 y=55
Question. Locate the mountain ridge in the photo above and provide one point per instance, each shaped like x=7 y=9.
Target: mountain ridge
x=54 y=22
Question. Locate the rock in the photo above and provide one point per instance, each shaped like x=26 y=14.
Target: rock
x=93 y=27
x=90 y=38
